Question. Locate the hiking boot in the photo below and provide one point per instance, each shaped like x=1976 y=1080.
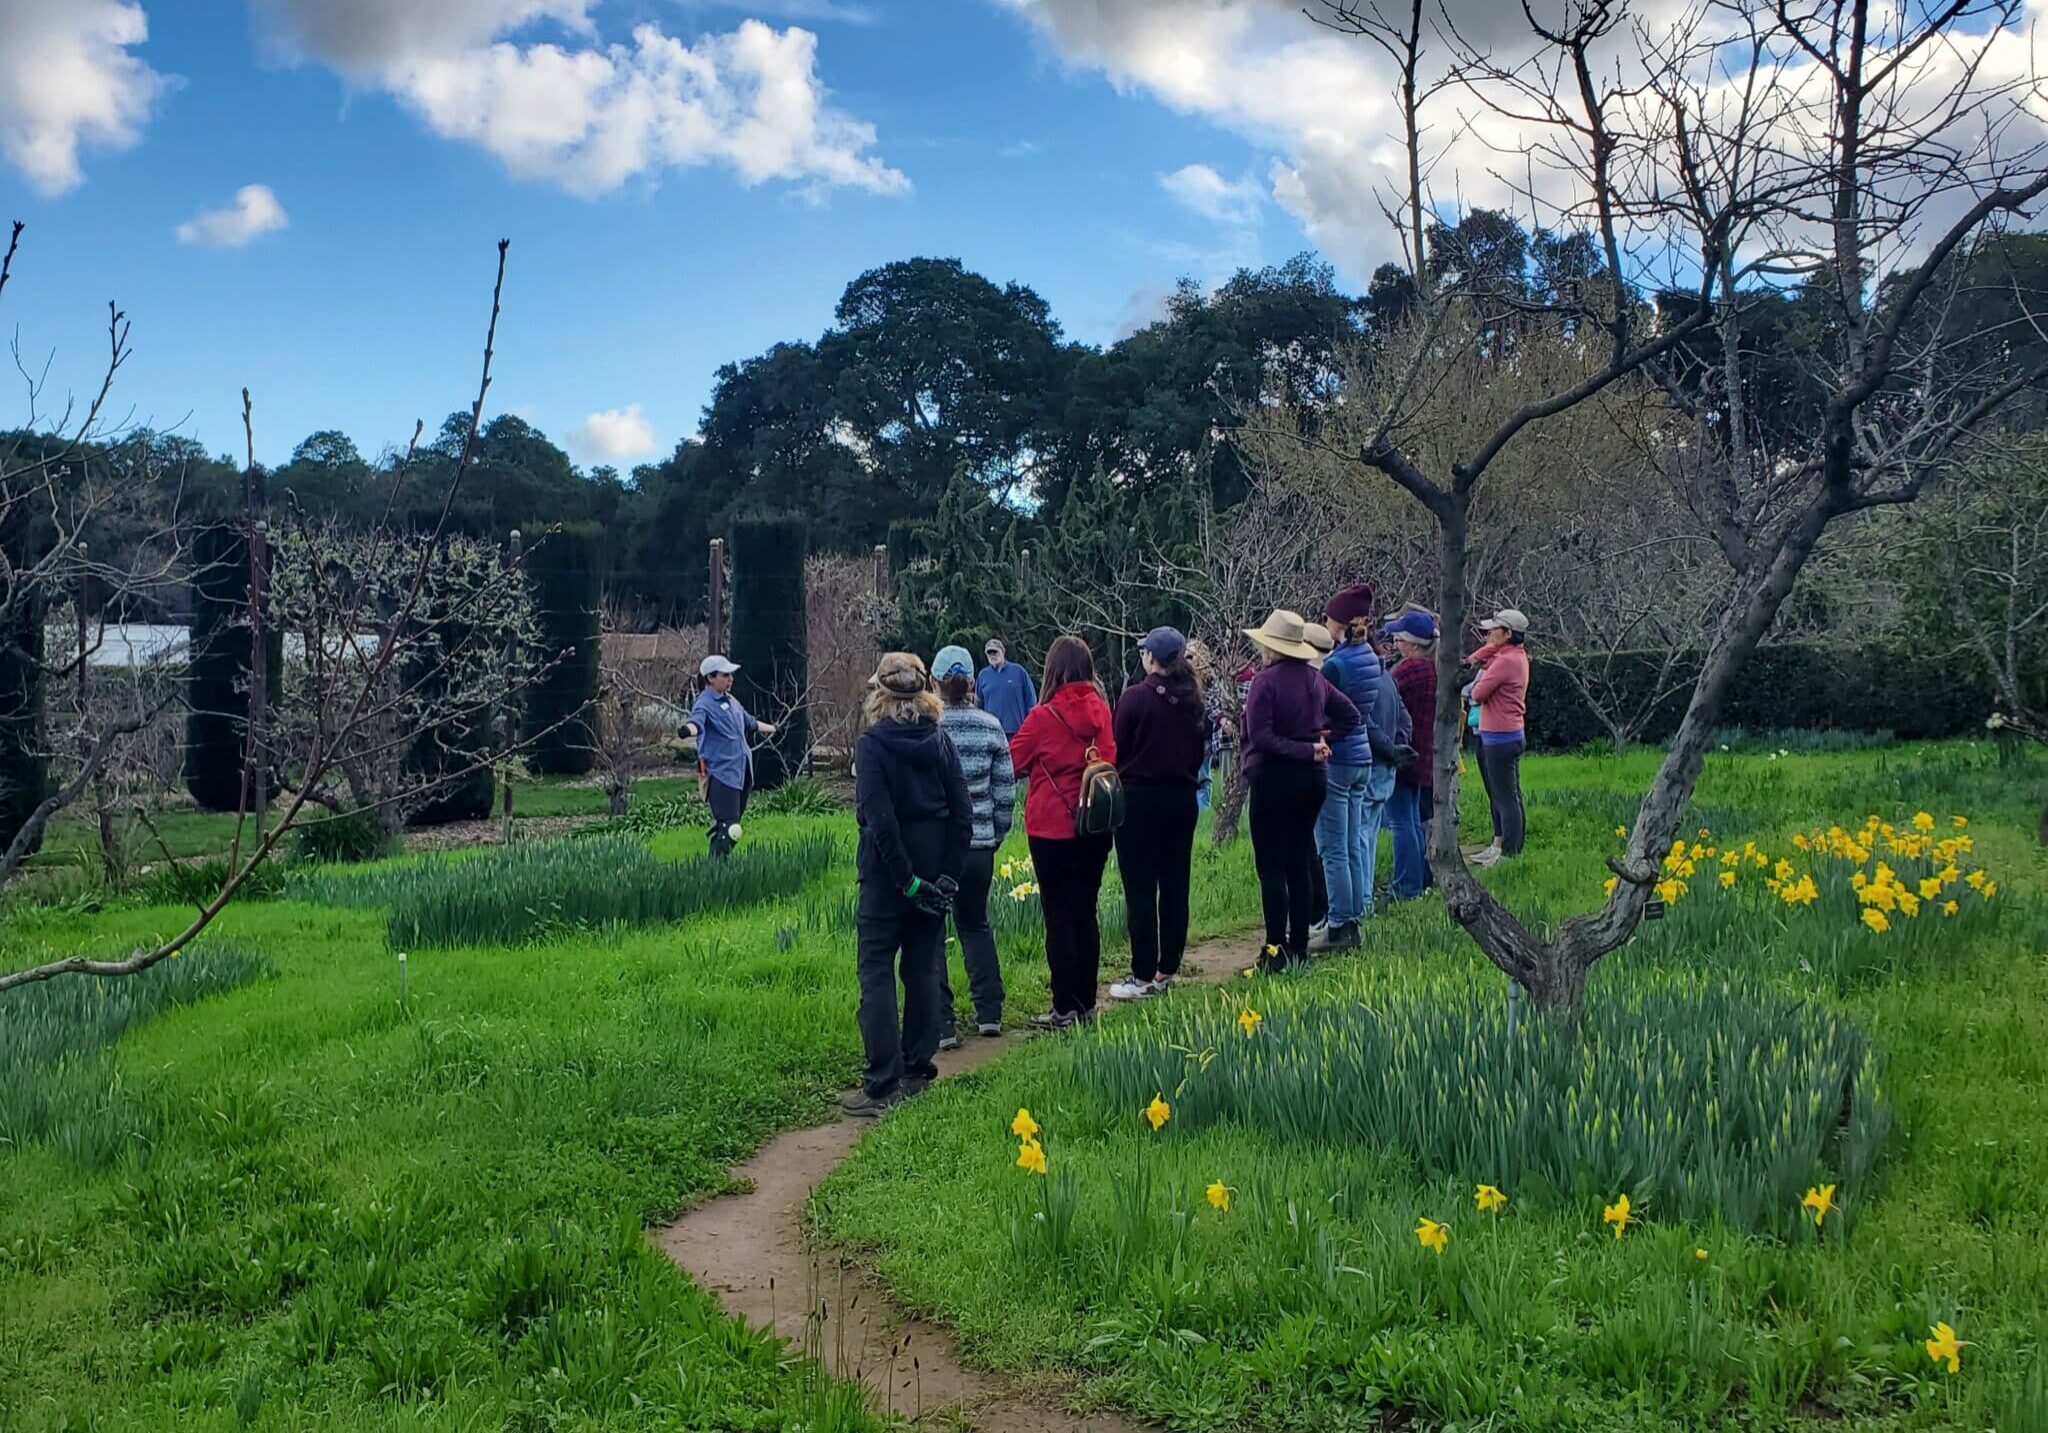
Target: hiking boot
x=1132 y=988
x=864 y=1106
x=992 y=1029
x=949 y=1041
x=1337 y=937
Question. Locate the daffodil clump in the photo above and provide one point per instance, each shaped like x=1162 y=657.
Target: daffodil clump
x=1876 y=877
x=1718 y=1100
x=1020 y=874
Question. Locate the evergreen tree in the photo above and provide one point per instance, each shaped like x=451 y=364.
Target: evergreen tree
x=562 y=573
x=770 y=638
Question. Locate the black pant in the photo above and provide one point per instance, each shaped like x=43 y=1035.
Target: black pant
x=728 y=805
x=1500 y=768
x=977 y=946
x=1154 y=848
x=889 y=927
x=1069 y=884
x=1286 y=797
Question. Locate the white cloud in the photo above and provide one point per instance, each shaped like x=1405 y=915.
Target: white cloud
x=614 y=434
x=67 y=80
x=592 y=115
x=825 y=12
x=1209 y=194
x=1324 y=106
x=254 y=213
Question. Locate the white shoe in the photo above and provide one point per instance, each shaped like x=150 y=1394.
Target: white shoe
x=1490 y=856
x=1132 y=988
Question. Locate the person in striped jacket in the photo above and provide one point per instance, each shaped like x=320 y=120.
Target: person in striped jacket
x=984 y=750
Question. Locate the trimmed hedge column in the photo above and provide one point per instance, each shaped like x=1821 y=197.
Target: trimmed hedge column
x=562 y=573
x=24 y=766
x=770 y=639
x=217 y=669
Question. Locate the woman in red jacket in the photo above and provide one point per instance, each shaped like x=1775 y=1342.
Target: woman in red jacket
x=1070 y=724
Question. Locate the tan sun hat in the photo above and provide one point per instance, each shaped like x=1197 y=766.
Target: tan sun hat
x=1318 y=636
x=1508 y=617
x=1283 y=632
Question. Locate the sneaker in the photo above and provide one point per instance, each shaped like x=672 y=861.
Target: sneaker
x=1317 y=931
x=949 y=1042
x=862 y=1105
x=1132 y=988
x=1339 y=937
x=992 y=1029
x=1052 y=1020
x=1487 y=856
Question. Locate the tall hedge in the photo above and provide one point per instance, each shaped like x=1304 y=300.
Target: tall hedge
x=1903 y=691
x=562 y=573
x=450 y=759
x=24 y=769
x=770 y=639
x=217 y=668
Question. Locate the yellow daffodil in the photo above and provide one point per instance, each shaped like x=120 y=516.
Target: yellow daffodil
x=1219 y=1197
x=1949 y=908
x=1874 y=918
x=1007 y=870
x=1621 y=830
x=1909 y=904
x=1801 y=842
x=1031 y=1157
x=1024 y=1127
x=1821 y=1200
x=1727 y=879
x=1948 y=875
x=1959 y=822
x=1432 y=1235
x=1945 y=1347
x=1248 y=1021
x=1929 y=888
x=1990 y=889
x=1783 y=869
x=1858 y=881
x=1617 y=1214
x=1669 y=891
x=1158 y=1113
x=1699 y=1254
x=1608 y=885
x=1975 y=880
x=1922 y=821
x=1489 y=1199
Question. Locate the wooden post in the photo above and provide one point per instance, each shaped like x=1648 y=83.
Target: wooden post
x=880 y=578
x=714 y=620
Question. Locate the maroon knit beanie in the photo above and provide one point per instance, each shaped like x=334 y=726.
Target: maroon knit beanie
x=1350 y=604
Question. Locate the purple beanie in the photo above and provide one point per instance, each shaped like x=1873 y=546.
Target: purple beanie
x=1350 y=604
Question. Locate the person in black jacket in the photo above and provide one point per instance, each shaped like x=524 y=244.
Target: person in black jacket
x=916 y=823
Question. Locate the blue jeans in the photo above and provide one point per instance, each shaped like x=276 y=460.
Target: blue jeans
x=1404 y=818
x=1340 y=837
x=1379 y=791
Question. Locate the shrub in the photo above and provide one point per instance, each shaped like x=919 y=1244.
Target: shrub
x=1700 y=1099
x=57 y=1081
x=539 y=891
x=769 y=639
x=1906 y=692
x=562 y=570
x=349 y=836
x=196 y=880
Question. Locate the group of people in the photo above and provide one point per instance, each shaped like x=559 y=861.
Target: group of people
x=1336 y=739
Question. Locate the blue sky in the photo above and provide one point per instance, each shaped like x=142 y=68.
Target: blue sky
x=364 y=310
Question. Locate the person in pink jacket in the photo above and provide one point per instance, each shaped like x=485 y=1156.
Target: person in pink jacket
x=1501 y=692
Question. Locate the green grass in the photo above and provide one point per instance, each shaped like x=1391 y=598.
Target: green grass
x=358 y=1214
x=1311 y=1304
x=547 y=891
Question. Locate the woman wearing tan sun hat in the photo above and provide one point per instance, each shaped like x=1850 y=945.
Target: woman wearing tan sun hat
x=1290 y=716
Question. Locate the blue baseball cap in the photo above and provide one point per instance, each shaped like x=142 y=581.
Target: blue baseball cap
x=952 y=662
x=1164 y=643
x=1418 y=625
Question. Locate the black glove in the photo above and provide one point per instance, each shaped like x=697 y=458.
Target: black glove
x=932 y=899
x=1404 y=757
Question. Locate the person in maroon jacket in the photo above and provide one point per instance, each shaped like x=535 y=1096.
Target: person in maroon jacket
x=1162 y=738
x=1051 y=750
x=1290 y=717
x=1413 y=634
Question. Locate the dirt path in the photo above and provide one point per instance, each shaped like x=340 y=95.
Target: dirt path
x=749 y=1249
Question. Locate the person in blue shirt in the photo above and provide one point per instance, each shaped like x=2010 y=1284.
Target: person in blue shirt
x=1005 y=689
x=720 y=726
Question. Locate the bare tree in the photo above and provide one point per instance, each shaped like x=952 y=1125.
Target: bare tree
x=1831 y=142
x=376 y=644
x=1985 y=541
x=641 y=679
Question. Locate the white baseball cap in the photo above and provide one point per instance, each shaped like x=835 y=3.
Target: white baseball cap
x=715 y=665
